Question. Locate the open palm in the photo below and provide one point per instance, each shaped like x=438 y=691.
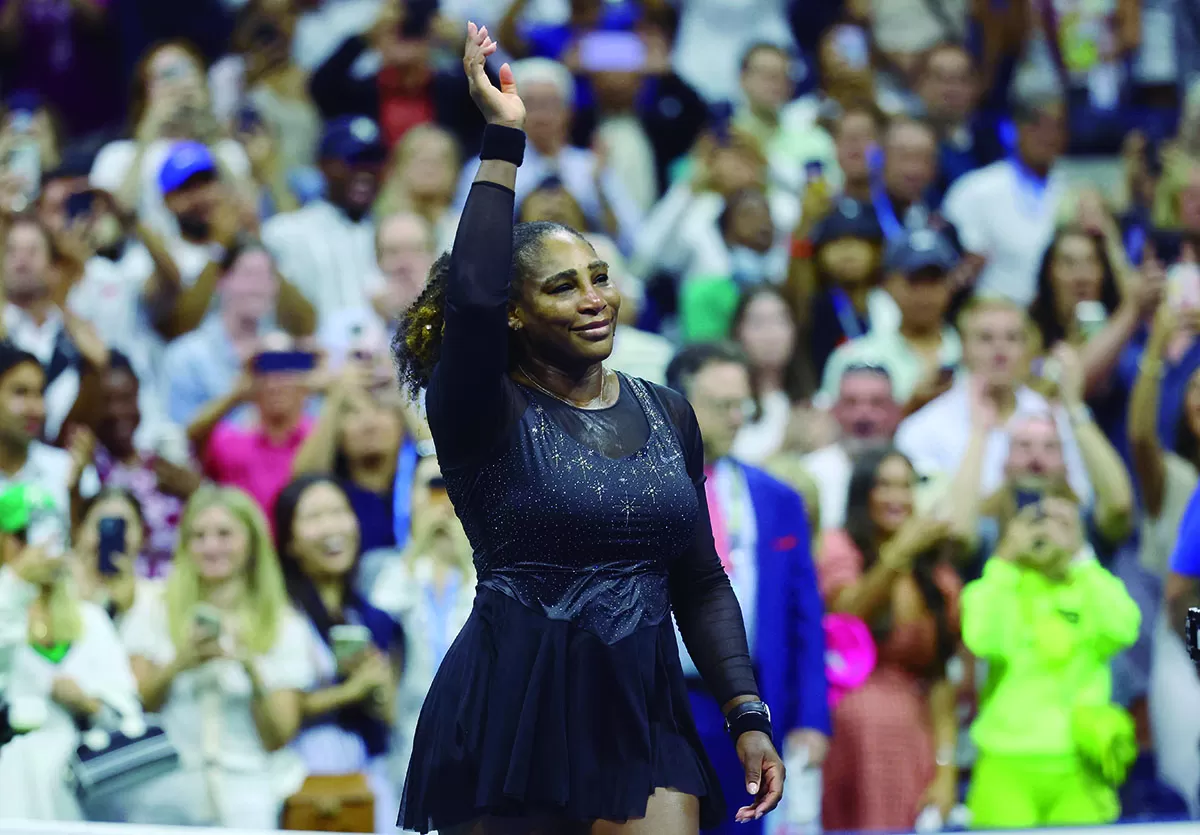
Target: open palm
x=499 y=106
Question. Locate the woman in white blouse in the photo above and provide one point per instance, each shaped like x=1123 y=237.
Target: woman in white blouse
x=219 y=653
x=69 y=669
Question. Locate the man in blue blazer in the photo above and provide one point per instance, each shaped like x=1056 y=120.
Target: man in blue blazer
x=761 y=532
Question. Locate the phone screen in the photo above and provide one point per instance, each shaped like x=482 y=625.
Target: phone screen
x=208 y=621
x=348 y=641
x=612 y=52
x=112 y=544
x=272 y=361
x=1027 y=498
x=80 y=204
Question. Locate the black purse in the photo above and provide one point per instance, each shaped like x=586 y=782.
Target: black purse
x=111 y=760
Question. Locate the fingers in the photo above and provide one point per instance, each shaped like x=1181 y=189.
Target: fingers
x=772 y=791
x=753 y=773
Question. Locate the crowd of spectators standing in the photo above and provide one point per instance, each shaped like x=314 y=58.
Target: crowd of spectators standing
x=928 y=272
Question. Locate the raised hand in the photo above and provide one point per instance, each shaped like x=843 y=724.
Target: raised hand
x=499 y=107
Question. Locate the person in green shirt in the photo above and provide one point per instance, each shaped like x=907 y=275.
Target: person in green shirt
x=1048 y=619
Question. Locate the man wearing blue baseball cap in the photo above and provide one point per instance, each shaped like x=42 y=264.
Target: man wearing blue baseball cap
x=920 y=355
x=327 y=248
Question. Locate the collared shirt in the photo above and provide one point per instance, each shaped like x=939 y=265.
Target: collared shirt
x=198 y=367
x=891 y=351
x=248 y=459
x=327 y=256
x=575 y=168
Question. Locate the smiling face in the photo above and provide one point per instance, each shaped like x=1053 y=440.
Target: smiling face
x=1076 y=273
x=22 y=403
x=325 y=533
x=566 y=313
x=218 y=544
x=891 y=500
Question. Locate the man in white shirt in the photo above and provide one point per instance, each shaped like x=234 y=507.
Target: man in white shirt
x=327 y=249
x=62 y=342
x=995 y=336
x=548 y=90
x=1005 y=213
x=867 y=414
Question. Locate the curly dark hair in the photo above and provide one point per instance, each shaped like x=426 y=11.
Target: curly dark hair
x=417 y=345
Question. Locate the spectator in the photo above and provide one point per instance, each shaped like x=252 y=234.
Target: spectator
x=361 y=438
x=149 y=461
x=1053 y=748
x=29 y=142
x=762 y=325
x=867 y=414
x=429 y=587
x=34 y=321
x=1004 y=213
x=923 y=353
x=549 y=95
x=714 y=35
x=327 y=249
x=114 y=591
x=948 y=84
x=68 y=667
x=223 y=659
x=762 y=539
x=258 y=457
x=407 y=89
x=66 y=476
x=907 y=32
x=888 y=568
x=170 y=104
x=906 y=178
x=422 y=178
x=995 y=350
x=204 y=365
x=349 y=708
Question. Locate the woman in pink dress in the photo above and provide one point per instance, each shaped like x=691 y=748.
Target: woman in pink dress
x=892 y=752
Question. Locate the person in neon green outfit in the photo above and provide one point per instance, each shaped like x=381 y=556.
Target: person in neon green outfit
x=1048 y=618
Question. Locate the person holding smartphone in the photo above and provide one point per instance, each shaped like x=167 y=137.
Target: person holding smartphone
x=107 y=546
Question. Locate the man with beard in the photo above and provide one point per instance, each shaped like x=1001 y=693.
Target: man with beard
x=327 y=248
x=867 y=414
x=209 y=222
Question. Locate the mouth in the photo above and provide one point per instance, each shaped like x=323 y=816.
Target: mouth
x=334 y=545
x=33 y=427
x=595 y=330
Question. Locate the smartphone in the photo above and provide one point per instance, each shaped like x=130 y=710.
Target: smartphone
x=1091 y=317
x=247 y=120
x=208 y=620
x=279 y=361
x=1183 y=286
x=946 y=374
x=80 y=204
x=851 y=45
x=612 y=52
x=1026 y=497
x=1049 y=370
x=814 y=170
x=112 y=544
x=24 y=161
x=348 y=641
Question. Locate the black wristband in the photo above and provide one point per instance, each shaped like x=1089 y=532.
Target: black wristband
x=503 y=143
x=749 y=716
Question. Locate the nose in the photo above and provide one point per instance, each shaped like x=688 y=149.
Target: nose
x=592 y=301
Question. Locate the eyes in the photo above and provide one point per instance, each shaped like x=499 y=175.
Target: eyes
x=567 y=286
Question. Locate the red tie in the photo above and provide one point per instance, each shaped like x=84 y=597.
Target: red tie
x=717 y=517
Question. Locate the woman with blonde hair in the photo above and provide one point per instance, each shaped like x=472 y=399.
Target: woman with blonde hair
x=422 y=179
x=221 y=655
x=65 y=667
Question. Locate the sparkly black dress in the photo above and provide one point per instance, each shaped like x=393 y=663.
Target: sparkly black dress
x=563 y=694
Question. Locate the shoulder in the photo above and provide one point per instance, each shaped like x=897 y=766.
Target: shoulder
x=678 y=409
x=761 y=481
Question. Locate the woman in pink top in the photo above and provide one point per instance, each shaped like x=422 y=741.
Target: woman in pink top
x=893 y=746
x=256 y=457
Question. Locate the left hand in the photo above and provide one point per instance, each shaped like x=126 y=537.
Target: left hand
x=942 y=793
x=815 y=741
x=175 y=480
x=1071 y=377
x=764 y=774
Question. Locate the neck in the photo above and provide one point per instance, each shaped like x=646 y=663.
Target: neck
x=581 y=387
x=858 y=294
x=240 y=328
x=376 y=473
x=224 y=594
x=1005 y=399
x=768 y=380
x=37 y=307
x=332 y=591
x=920 y=334
x=278 y=428
x=766 y=115
x=1041 y=169
x=13 y=456
x=859 y=190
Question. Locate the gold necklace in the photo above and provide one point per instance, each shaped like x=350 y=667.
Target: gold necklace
x=608 y=375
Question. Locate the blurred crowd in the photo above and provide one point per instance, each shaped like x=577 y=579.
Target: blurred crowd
x=932 y=265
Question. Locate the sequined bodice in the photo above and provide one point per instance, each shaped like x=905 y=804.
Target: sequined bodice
x=566 y=530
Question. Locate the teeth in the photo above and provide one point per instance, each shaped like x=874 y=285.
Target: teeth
x=335 y=543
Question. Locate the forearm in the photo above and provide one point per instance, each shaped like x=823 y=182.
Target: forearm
x=1109 y=478
x=165 y=283
x=943 y=719
x=295 y=313
x=276 y=713
x=91 y=346
x=1099 y=356
x=1145 y=449
x=321 y=703
x=319 y=449
x=129 y=192
x=869 y=595
x=992 y=625
x=200 y=429
x=154 y=685
x=191 y=305
x=509 y=31
x=1112 y=612
x=964 y=490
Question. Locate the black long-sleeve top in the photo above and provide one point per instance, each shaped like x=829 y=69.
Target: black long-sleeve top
x=476 y=414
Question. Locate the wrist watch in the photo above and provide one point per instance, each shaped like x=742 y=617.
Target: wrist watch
x=748 y=716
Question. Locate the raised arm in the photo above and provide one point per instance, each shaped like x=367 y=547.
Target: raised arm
x=469 y=389
x=1149 y=465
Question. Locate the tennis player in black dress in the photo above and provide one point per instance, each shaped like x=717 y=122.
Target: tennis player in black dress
x=561 y=707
